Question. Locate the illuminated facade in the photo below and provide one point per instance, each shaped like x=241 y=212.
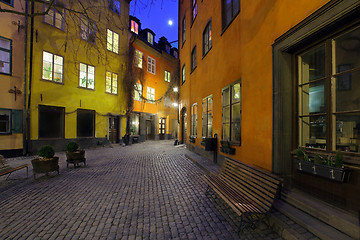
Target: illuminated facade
x=268 y=78
x=155 y=76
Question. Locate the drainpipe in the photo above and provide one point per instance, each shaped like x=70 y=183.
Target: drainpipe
x=25 y=146
x=30 y=77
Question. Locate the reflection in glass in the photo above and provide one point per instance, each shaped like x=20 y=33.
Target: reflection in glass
x=348 y=132
x=312 y=132
x=313 y=64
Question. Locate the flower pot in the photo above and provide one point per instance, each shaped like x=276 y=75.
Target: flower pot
x=45 y=165
x=75 y=158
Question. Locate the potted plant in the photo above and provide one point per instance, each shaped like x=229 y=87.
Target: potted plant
x=328 y=167
x=226 y=148
x=46 y=162
x=74 y=155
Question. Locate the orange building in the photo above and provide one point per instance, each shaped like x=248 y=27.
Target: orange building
x=155 y=76
x=270 y=76
x=12 y=70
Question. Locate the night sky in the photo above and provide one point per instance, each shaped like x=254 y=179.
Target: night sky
x=155 y=15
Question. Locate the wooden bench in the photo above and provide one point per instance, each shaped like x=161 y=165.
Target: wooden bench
x=249 y=191
x=6 y=169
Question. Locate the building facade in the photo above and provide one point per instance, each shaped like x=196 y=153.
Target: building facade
x=77 y=62
x=270 y=77
x=12 y=70
x=155 y=76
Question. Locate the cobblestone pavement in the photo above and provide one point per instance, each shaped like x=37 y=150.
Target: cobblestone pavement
x=143 y=191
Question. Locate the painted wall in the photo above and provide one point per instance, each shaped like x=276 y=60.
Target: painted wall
x=9 y=29
x=74 y=50
x=243 y=51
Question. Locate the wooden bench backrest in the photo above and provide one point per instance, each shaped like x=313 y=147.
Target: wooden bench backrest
x=255 y=186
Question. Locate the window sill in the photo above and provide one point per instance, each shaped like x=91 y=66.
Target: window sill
x=52 y=25
x=7 y=74
x=51 y=81
x=204 y=55
x=5 y=133
x=115 y=94
x=86 y=88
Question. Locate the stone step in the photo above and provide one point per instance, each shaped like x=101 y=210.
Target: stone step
x=313 y=225
x=335 y=217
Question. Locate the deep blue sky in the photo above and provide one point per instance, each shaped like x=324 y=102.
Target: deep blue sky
x=155 y=14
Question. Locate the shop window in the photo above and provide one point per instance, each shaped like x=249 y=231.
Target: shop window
x=111 y=82
x=85 y=123
x=55 y=17
x=207 y=39
x=87 y=76
x=151 y=65
x=112 y=41
x=138 y=92
x=52 y=67
x=138 y=59
x=51 y=122
x=230 y=9
x=134 y=124
x=231 y=113
x=207 y=116
x=193 y=59
x=5 y=55
x=194 y=120
x=114 y=5
x=150 y=95
x=87 y=29
x=167 y=76
x=329 y=107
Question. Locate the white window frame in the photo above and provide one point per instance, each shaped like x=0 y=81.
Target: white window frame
x=113 y=87
x=112 y=40
x=5 y=56
x=87 y=29
x=207 y=114
x=151 y=65
x=138 y=92
x=150 y=94
x=54 y=16
x=138 y=59
x=167 y=76
x=55 y=61
x=194 y=111
x=88 y=85
x=150 y=38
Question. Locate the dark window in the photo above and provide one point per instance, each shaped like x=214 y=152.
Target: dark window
x=5 y=55
x=8 y=2
x=193 y=58
x=207 y=116
x=87 y=29
x=207 y=39
x=51 y=122
x=5 y=120
x=85 y=123
x=183 y=74
x=231 y=113
x=183 y=30
x=230 y=8
x=55 y=17
x=115 y=6
x=194 y=9
x=194 y=120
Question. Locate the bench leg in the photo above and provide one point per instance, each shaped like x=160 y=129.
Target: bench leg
x=8 y=176
x=250 y=220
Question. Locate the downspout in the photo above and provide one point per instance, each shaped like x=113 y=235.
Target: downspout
x=30 y=77
x=25 y=145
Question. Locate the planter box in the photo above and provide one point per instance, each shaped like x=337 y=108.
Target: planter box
x=329 y=172
x=75 y=158
x=230 y=151
x=45 y=166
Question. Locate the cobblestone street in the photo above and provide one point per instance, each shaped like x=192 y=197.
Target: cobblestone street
x=142 y=191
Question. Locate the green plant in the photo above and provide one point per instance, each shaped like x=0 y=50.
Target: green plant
x=329 y=161
x=72 y=147
x=339 y=159
x=46 y=151
x=301 y=155
x=318 y=159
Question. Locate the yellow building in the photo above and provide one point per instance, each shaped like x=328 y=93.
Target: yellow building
x=155 y=76
x=77 y=63
x=271 y=76
x=12 y=53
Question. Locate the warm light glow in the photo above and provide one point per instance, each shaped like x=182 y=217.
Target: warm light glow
x=170 y=22
x=176 y=89
x=175 y=104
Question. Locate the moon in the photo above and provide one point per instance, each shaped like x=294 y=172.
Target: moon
x=170 y=22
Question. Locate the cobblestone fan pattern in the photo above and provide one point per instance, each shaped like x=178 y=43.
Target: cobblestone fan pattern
x=143 y=191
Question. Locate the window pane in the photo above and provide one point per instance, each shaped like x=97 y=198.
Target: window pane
x=235 y=132
x=114 y=83
x=235 y=93
x=347 y=91
x=134 y=124
x=49 y=18
x=209 y=133
x=226 y=114
x=348 y=132
x=227 y=11
x=347 y=50
x=235 y=110
x=4 y=62
x=108 y=82
x=226 y=132
x=82 y=81
x=116 y=43
x=313 y=64
x=312 y=98
x=109 y=40
x=47 y=70
x=312 y=132
x=226 y=97
x=4 y=43
x=236 y=7
x=5 y=121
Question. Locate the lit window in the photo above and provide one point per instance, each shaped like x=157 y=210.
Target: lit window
x=194 y=9
x=87 y=76
x=150 y=38
x=134 y=27
x=231 y=112
x=138 y=92
x=230 y=8
x=52 y=68
x=151 y=65
x=112 y=41
x=193 y=59
x=5 y=55
x=87 y=29
x=111 y=82
x=194 y=120
x=150 y=95
x=134 y=124
x=207 y=39
x=55 y=17
x=183 y=74
x=167 y=76
x=162 y=125
x=114 y=5
x=207 y=116
x=138 y=59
